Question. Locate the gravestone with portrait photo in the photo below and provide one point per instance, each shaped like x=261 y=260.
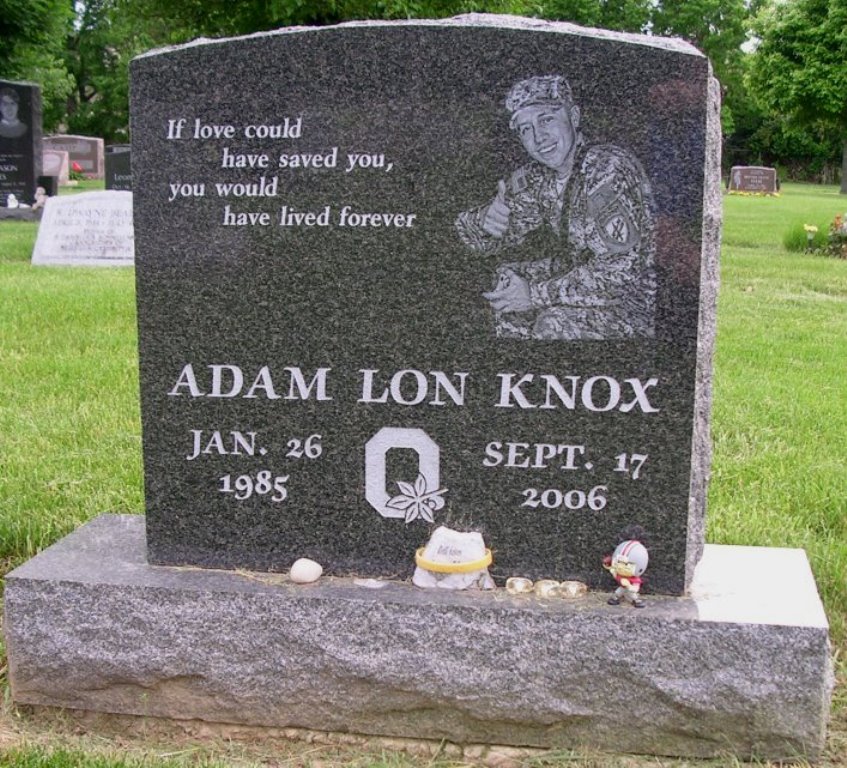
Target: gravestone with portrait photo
x=470 y=300
x=20 y=141
x=437 y=293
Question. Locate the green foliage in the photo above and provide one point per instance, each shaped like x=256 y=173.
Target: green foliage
x=69 y=432
x=31 y=24
x=623 y=15
x=221 y=18
x=718 y=28
x=112 y=32
x=797 y=239
x=796 y=73
x=57 y=84
x=43 y=757
x=800 y=61
x=34 y=35
x=806 y=154
x=799 y=69
x=98 y=54
x=836 y=245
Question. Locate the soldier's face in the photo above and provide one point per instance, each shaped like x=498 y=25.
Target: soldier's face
x=8 y=108
x=548 y=134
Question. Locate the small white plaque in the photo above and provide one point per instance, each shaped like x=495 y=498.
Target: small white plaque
x=90 y=229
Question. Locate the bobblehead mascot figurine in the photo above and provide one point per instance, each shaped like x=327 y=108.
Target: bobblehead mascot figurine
x=626 y=564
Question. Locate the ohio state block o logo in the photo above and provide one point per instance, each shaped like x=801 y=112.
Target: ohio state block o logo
x=429 y=458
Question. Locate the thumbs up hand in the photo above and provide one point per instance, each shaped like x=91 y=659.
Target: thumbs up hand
x=496 y=220
x=512 y=293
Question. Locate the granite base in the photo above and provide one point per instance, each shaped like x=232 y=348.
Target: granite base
x=741 y=667
x=21 y=214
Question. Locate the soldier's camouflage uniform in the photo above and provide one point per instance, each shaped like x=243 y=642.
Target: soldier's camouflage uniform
x=604 y=284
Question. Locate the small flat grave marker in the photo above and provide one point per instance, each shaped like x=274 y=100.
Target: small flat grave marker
x=90 y=229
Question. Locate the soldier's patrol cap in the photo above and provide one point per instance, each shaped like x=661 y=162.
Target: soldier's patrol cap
x=549 y=90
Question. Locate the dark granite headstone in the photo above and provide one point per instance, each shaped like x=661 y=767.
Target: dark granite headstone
x=20 y=140
x=421 y=273
x=118 y=167
x=744 y=178
x=86 y=151
x=50 y=184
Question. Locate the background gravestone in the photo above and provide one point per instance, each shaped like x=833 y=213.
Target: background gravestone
x=87 y=151
x=744 y=178
x=56 y=163
x=321 y=375
x=20 y=140
x=90 y=229
x=118 y=167
x=50 y=185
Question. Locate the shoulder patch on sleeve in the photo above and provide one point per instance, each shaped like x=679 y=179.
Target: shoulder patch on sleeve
x=614 y=197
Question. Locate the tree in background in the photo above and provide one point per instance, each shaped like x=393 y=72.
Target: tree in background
x=188 y=19
x=803 y=154
x=112 y=31
x=620 y=15
x=718 y=28
x=34 y=36
x=109 y=33
x=104 y=40
x=798 y=70
x=800 y=67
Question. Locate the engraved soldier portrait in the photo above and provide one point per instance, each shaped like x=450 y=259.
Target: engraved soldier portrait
x=598 y=281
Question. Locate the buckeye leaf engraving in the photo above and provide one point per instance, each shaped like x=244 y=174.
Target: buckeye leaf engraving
x=417 y=501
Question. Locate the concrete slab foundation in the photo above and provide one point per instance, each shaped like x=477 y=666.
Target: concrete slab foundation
x=741 y=667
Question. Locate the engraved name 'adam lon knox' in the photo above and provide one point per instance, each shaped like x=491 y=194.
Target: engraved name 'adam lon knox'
x=545 y=391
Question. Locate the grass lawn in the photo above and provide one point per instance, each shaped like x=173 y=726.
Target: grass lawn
x=70 y=445
x=780 y=401
x=85 y=185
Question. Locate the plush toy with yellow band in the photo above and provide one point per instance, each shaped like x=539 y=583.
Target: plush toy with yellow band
x=470 y=567
x=453 y=560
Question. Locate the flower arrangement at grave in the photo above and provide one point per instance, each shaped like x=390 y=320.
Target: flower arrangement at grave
x=75 y=173
x=811 y=230
x=745 y=193
x=806 y=238
x=837 y=245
